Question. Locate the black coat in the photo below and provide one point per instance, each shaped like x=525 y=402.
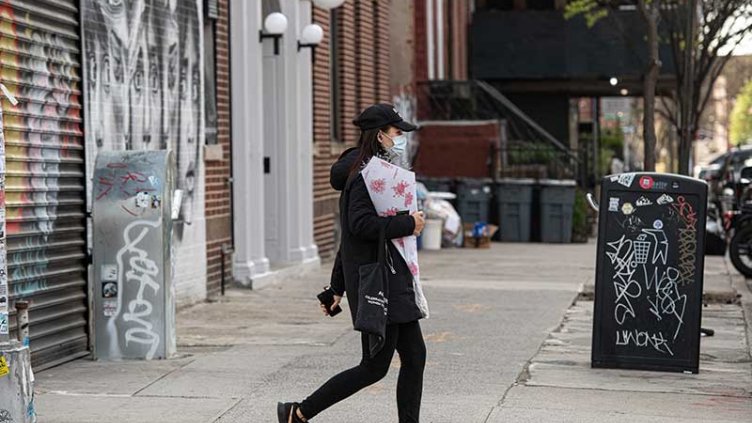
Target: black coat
x=359 y=244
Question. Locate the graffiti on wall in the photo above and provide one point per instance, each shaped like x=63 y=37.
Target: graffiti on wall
x=144 y=84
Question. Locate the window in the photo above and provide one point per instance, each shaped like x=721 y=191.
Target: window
x=335 y=121
x=210 y=83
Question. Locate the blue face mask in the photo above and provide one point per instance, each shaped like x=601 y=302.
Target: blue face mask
x=400 y=144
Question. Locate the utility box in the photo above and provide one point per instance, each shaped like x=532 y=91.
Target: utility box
x=133 y=293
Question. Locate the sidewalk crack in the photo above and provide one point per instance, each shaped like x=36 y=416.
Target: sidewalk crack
x=162 y=377
x=524 y=374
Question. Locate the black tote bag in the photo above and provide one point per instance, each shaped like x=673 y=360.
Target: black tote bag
x=373 y=302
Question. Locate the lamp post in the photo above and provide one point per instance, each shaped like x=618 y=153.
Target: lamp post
x=328 y=4
x=311 y=37
x=275 y=25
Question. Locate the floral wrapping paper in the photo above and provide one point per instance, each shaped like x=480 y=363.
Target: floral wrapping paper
x=392 y=189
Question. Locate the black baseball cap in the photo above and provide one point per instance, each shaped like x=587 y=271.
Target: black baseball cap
x=381 y=115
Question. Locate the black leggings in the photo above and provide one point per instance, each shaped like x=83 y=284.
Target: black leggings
x=407 y=339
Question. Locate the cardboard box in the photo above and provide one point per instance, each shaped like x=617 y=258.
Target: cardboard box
x=484 y=241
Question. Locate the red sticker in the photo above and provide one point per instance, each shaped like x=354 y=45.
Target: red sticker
x=646 y=182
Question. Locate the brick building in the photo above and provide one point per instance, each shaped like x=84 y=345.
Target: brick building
x=350 y=72
x=218 y=202
x=375 y=51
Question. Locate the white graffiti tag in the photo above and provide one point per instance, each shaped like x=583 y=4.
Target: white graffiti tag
x=627 y=288
x=667 y=300
x=140 y=270
x=643 y=339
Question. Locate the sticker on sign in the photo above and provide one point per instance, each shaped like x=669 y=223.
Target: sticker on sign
x=109 y=308
x=665 y=199
x=3 y=323
x=109 y=272
x=643 y=201
x=626 y=179
x=646 y=182
x=613 y=204
x=4 y=368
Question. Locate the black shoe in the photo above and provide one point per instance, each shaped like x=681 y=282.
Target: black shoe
x=288 y=412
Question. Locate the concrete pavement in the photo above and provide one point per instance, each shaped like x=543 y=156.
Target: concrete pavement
x=496 y=325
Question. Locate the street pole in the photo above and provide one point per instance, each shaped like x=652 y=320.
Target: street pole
x=596 y=138
x=4 y=291
x=687 y=132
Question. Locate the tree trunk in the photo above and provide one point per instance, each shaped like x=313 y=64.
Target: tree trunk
x=685 y=151
x=688 y=99
x=650 y=15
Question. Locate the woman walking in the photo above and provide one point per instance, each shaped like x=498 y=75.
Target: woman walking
x=381 y=136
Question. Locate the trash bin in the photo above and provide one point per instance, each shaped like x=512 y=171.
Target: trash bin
x=438 y=184
x=556 y=207
x=473 y=199
x=432 y=234
x=514 y=198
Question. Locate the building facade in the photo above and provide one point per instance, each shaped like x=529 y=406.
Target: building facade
x=351 y=71
x=96 y=75
x=272 y=148
x=218 y=204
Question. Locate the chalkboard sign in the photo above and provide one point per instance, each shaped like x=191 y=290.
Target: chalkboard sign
x=649 y=272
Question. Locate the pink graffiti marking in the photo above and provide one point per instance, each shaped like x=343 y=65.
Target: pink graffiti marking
x=686 y=211
x=129 y=211
x=133 y=176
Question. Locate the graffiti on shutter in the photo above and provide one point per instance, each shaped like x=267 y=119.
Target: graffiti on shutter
x=45 y=199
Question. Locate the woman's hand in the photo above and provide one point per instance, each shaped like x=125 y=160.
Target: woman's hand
x=420 y=222
x=337 y=300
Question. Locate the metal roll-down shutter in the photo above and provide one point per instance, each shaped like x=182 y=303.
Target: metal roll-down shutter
x=45 y=191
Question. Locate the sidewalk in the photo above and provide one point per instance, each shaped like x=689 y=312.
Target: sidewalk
x=560 y=386
x=497 y=351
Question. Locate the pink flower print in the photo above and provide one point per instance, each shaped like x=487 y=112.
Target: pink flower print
x=413 y=268
x=401 y=242
x=408 y=199
x=400 y=189
x=378 y=185
x=390 y=212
